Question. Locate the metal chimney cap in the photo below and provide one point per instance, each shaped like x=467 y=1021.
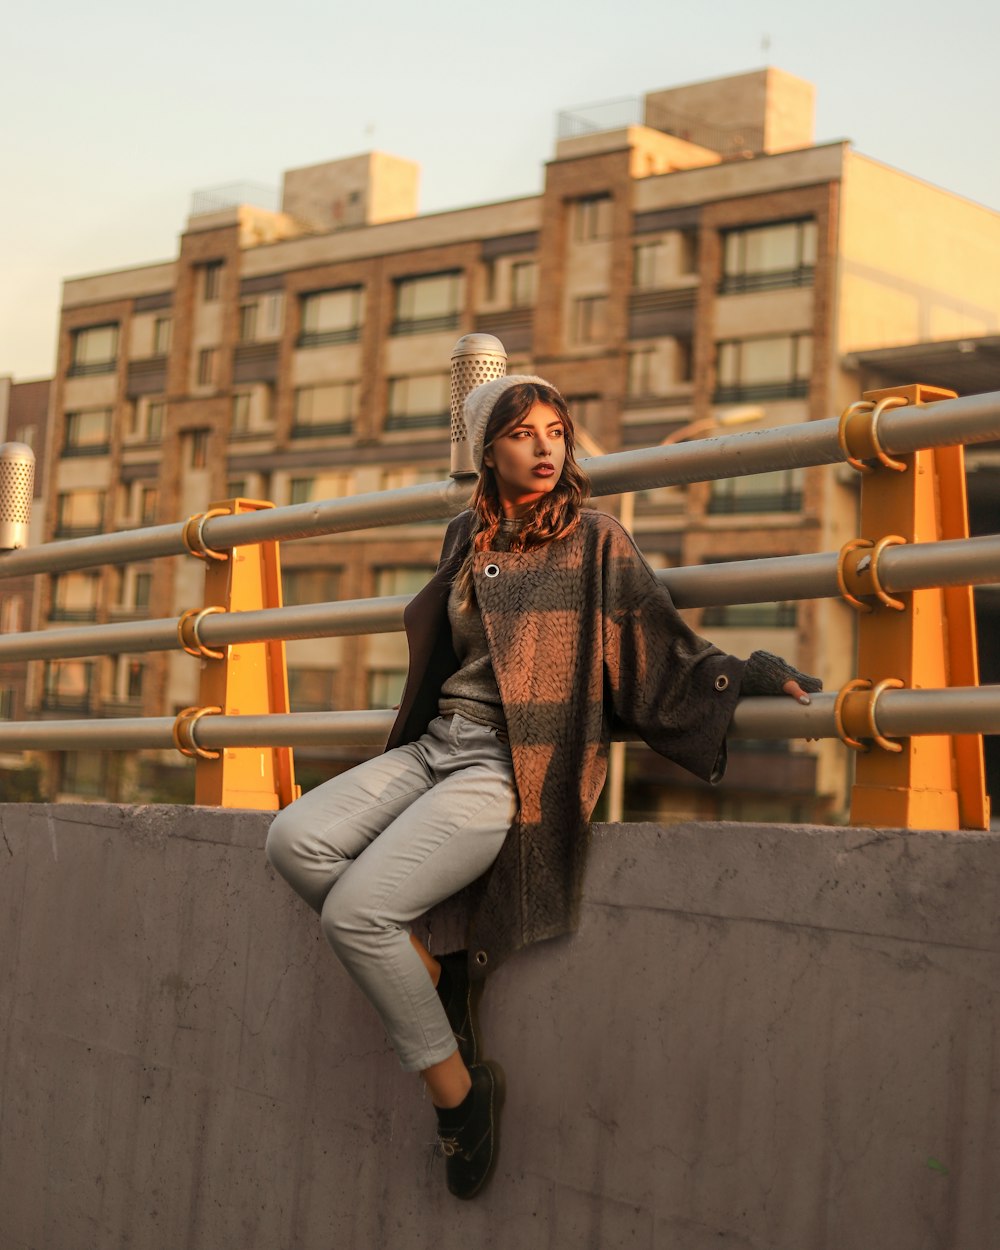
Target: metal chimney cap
x=478 y=344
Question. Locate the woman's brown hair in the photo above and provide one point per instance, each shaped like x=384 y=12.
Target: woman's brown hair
x=555 y=515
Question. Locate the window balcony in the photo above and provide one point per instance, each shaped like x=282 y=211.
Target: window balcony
x=73 y=614
x=324 y=338
x=67 y=530
x=733 y=505
x=322 y=429
x=79 y=369
x=426 y=325
x=85 y=449
x=739 y=394
x=779 y=279
x=418 y=421
x=74 y=703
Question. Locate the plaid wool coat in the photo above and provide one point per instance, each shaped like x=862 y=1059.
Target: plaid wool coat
x=582 y=637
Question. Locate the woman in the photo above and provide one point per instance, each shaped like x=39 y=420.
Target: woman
x=542 y=629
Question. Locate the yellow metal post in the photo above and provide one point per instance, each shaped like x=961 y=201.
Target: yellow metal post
x=920 y=639
x=243 y=679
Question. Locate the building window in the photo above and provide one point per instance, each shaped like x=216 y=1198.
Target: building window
x=321 y=486
x=155 y=412
x=750 y=616
x=490 y=280
x=780 y=491
x=683 y=360
x=404 y=579
x=319 y=584
x=6 y=703
x=385 y=687
x=68 y=685
x=761 y=258
x=590 y=319
x=146 y=420
x=688 y=243
x=79 y=512
x=148 y=499
x=272 y=314
x=248 y=323
x=142 y=588
x=74 y=597
x=420 y=402
x=586 y=413
x=10 y=614
x=84 y=773
x=211 y=281
x=241 y=412
x=640 y=372
x=430 y=302
x=410 y=475
x=207 y=364
x=236 y=488
x=311 y=689
x=764 y=368
x=592 y=218
x=646 y=266
x=332 y=316
x=87 y=433
x=162 y=335
x=25 y=434
x=196 y=449
x=128 y=673
x=523 y=283
x=327 y=409
x=133 y=677
x=95 y=350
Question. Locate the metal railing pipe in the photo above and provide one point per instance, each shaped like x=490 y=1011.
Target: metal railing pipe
x=914 y=566
x=901 y=713
x=307 y=620
x=968 y=419
x=971 y=419
x=75 y=641
x=431 y=501
x=128 y=733
x=959 y=562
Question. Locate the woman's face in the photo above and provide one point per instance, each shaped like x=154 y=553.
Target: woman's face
x=528 y=460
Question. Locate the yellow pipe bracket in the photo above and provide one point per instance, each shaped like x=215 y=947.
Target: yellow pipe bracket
x=865 y=570
x=195 y=543
x=857 y=434
x=183 y=732
x=863 y=713
x=188 y=626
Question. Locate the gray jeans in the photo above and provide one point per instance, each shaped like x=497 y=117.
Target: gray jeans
x=373 y=849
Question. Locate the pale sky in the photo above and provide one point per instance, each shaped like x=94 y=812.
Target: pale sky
x=112 y=114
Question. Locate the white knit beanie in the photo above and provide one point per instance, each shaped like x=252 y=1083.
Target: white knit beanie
x=480 y=403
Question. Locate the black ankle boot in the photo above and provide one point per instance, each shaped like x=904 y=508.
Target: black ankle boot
x=461 y=1000
x=470 y=1133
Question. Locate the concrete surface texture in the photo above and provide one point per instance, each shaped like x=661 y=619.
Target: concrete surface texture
x=761 y=1038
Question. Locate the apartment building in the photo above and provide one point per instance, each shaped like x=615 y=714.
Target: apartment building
x=692 y=264
x=24 y=411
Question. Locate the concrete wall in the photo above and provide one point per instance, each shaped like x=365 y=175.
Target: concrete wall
x=761 y=1038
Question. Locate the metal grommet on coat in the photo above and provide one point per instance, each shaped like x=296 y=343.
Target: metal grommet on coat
x=722 y=682
x=481 y=958
x=492 y=570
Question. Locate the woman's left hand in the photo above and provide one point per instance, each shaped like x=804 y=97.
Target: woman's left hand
x=793 y=688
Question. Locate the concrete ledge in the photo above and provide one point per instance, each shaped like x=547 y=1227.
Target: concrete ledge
x=762 y=1038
